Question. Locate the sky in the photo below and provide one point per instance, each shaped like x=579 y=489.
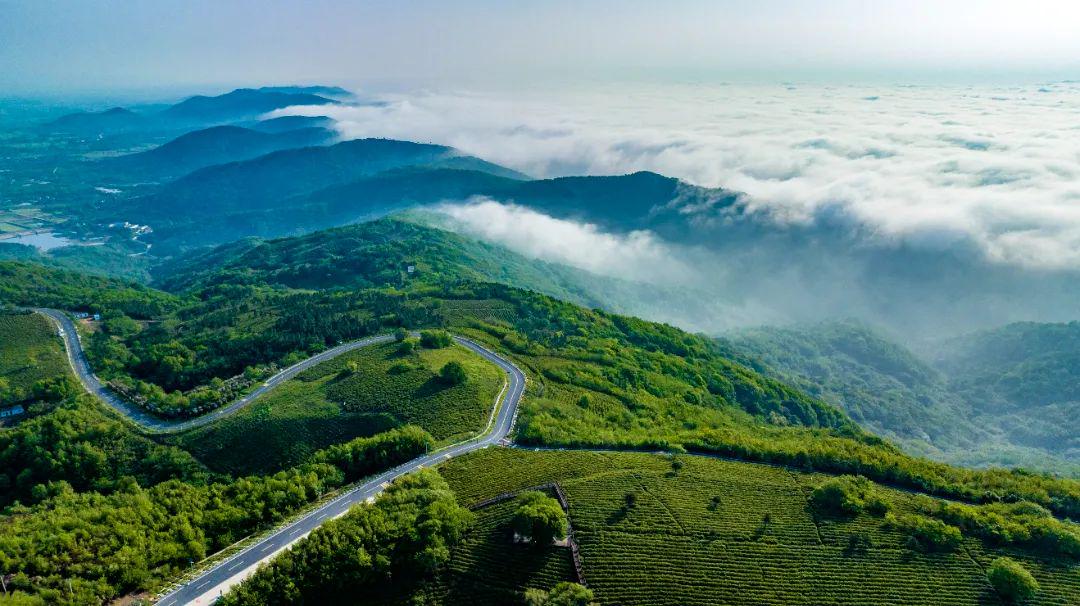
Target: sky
x=111 y=45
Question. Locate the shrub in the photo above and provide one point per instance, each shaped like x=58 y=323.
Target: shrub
x=406 y=348
x=540 y=518
x=401 y=335
x=453 y=373
x=563 y=594
x=435 y=339
x=926 y=534
x=847 y=495
x=1011 y=580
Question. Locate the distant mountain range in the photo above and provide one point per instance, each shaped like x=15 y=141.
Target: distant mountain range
x=748 y=259
x=214 y=145
x=114 y=120
x=239 y=104
x=235 y=106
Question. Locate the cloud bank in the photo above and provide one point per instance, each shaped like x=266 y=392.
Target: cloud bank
x=927 y=166
x=638 y=255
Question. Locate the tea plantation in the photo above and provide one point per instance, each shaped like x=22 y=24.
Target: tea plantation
x=712 y=531
x=361 y=393
x=30 y=351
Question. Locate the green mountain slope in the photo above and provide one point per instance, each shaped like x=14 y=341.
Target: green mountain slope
x=596 y=380
x=1025 y=378
x=987 y=400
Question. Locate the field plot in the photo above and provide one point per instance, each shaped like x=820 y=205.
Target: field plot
x=30 y=350
x=492 y=311
x=358 y=394
x=709 y=531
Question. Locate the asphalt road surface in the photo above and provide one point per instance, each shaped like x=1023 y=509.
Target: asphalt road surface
x=210 y=583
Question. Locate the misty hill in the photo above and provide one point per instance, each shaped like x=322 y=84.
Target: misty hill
x=330 y=92
x=114 y=120
x=942 y=409
x=215 y=145
x=1027 y=375
x=369 y=255
x=287 y=123
x=747 y=255
x=268 y=195
x=238 y=104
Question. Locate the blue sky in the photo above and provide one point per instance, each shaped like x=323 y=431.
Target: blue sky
x=58 y=45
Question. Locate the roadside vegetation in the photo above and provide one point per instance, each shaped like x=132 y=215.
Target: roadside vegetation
x=32 y=359
x=88 y=547
x=399 y=541
x=361 y=393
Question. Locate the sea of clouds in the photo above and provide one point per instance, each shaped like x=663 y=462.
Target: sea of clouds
x=922 y=165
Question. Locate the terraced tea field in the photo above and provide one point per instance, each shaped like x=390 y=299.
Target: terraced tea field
x=30 y=351
x=357 y=394
x=492 y=311
x=722 y=532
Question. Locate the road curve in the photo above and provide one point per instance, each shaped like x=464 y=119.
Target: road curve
x=149 y=422
x=210 y=583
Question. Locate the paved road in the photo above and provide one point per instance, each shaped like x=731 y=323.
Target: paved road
x=208 y=586
x=79 y=364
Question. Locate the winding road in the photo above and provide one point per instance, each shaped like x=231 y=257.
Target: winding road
x=212 y=582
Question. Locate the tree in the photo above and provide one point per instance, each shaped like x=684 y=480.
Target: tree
x=435 y=339
x=847 y=495
x=1011 y=580
x=676 y=465
x=563 y=594
x=453 y=373
x=540 y=518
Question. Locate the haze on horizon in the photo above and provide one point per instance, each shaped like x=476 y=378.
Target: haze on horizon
x=56 y=46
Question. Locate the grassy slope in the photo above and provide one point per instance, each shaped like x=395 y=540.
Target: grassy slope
x=320 y=408
x=676 y=547
x=30 y=351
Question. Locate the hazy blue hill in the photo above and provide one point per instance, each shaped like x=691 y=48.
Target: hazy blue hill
x=276 y=194
x=287 y=123
x=214 y=145
x=238 y=104
x=331 y=92
x=114 y=120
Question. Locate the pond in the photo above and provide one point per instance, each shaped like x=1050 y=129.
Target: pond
x=42 y=241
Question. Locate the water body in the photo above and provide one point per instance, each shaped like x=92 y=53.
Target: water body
x=41 y=241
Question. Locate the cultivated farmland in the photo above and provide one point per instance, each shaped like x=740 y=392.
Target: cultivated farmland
x=710 y=531
x=30 y=351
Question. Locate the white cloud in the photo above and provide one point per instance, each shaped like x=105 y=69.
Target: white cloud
x=638 y=256
x=1000 y=166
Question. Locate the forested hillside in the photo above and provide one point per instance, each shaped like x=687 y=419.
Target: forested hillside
x=1004 y=397
x=596 y=380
